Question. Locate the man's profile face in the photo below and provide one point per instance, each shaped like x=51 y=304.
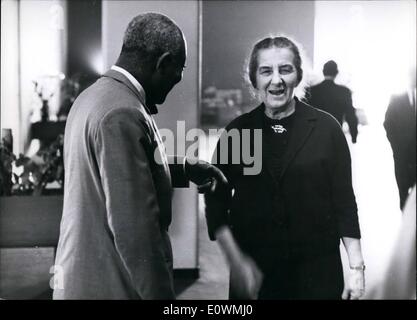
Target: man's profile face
x=170 y=76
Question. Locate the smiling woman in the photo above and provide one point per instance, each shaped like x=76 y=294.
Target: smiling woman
x=281 y=228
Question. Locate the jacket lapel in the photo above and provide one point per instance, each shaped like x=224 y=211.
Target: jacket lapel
x=257 y=122
x=151 y=109
x=121 y=78
x=304 y=123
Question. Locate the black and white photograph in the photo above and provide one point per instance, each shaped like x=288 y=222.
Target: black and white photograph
x=223 y=150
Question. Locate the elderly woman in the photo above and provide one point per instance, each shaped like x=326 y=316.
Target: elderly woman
x=281 y=229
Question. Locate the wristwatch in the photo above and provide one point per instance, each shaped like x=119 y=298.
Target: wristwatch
x=359 y=268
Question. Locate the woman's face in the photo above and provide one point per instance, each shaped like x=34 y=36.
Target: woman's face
x=276 y=77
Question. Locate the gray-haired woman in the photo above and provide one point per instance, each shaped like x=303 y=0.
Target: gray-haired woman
x=281 y=228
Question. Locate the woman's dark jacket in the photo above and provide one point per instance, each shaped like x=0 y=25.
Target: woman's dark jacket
x=309 y=208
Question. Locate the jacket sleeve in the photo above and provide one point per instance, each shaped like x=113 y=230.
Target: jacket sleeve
x=343 y=196
x=218 y=204
x=131 y=204
x=177 y=171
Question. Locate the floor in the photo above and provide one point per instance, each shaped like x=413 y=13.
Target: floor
x=213 y=282
x=379 y=216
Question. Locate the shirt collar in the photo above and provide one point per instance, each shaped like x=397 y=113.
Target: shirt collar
x=137 y=85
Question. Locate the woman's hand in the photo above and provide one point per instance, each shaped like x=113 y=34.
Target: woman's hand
x=355 y=282
x=245 y=277
x=354 y=285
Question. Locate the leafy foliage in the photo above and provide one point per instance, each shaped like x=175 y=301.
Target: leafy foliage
x=44 y=167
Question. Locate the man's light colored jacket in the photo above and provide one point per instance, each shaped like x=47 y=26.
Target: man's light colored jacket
x=117 y=201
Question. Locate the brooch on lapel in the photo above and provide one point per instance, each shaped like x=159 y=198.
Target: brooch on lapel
x=278 y=128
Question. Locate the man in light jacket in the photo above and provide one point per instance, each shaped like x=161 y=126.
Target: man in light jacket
x=114 y=241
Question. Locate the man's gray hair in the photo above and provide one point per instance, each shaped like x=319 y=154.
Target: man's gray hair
x=151 y=34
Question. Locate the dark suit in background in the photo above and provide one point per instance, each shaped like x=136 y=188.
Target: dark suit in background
x=336 y=100
x=400 y=125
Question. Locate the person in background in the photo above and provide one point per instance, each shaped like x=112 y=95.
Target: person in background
x=114 y=241
x=280 y=230
x=334 y=99
x=400 y=126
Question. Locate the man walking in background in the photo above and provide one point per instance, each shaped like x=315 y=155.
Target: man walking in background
x=334 y=99
x=400 y=126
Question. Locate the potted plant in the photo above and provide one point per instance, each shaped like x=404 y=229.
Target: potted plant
x=30 y=215
x=26 y=201
x=45 y=167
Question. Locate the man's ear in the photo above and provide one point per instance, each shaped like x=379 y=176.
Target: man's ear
x=163 y=61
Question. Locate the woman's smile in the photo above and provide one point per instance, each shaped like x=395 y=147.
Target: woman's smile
x=279 y=93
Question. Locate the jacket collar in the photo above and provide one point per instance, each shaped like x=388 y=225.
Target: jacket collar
x=304 y=123
x=151 y=109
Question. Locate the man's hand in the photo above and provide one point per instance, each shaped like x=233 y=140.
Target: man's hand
x=206 y=176
x=354 y=286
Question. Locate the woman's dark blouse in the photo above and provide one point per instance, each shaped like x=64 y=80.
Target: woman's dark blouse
x=276 y=135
